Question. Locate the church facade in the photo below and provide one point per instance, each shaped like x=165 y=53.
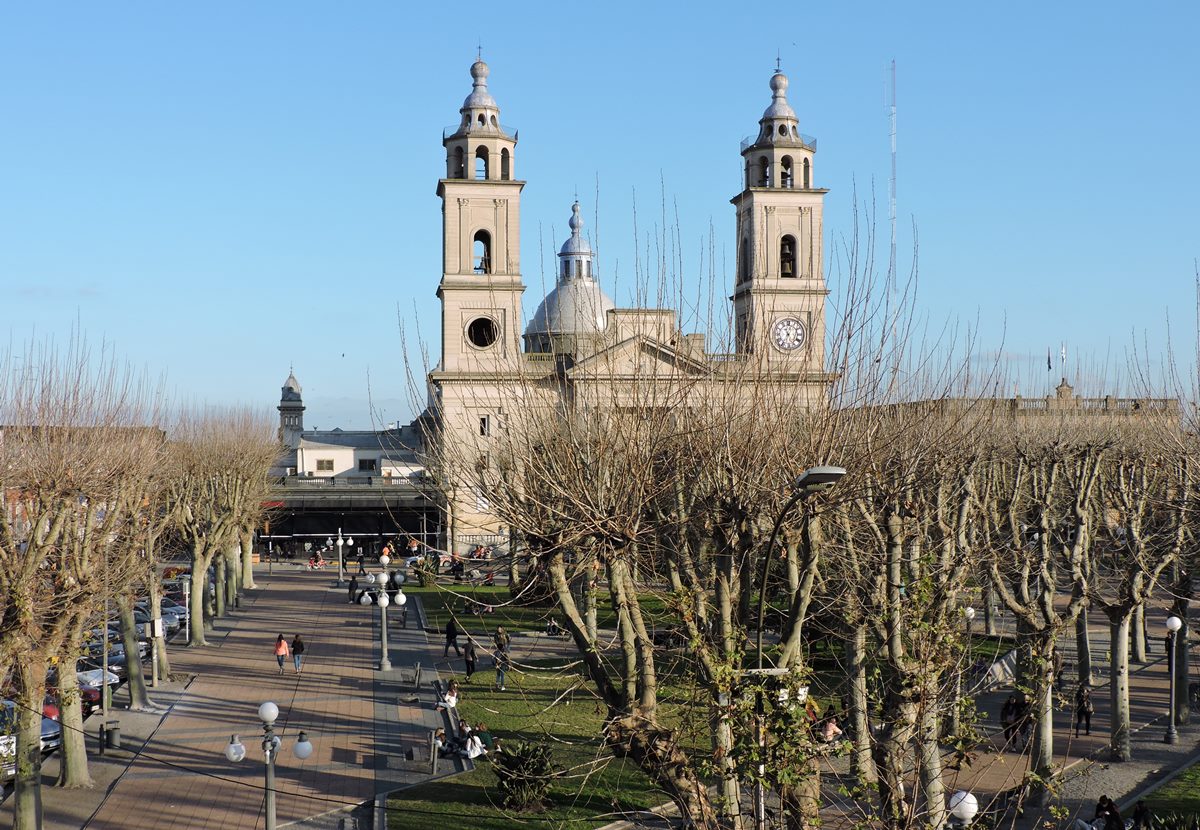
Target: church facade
x=578 y=345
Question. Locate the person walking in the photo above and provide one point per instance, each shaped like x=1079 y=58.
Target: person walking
x=1083 y=710
x=353 y=589
x=451 y=639
x=361 y=558
x=281 y=651
x=298 y=653
x=501 y=640
x=502 y=667
x=469 y=657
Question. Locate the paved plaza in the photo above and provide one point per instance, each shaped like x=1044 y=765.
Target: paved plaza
x=370 y=729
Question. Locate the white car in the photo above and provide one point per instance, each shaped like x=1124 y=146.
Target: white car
x=95 y=678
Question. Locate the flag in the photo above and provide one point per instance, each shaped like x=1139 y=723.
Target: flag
x=1049 y=365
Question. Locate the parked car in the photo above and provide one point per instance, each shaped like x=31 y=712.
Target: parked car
x=141 y=617
x=91 y=674
x=177 y=608
x=51 y=731
x=89 y=701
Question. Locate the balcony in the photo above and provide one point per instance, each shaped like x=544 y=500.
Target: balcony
x=479 y=129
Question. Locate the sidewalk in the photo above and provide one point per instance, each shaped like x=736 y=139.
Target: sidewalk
x=354 y=716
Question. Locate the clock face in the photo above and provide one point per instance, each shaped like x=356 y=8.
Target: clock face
x=788 y=334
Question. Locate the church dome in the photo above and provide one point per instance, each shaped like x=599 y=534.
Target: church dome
x=779 y=104
x=291 y=388
x=479 y=98
x=577 y=305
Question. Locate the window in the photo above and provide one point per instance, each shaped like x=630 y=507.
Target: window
x=806 y=171
x=366 y=465
x=785 y=171
x=764 y=172
x=482 y=253
x=324 y=465
x=485 y=425
x=744 y=260
x=481 y=163
x=483 y=332
x=505 y=165
x=787 y=256
x=458 y=168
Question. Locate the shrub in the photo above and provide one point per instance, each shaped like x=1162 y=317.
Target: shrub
x=525 y=771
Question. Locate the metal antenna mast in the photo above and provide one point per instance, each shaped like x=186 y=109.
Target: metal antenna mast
x=892 y=180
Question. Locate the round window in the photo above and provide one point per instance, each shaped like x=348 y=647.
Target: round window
x=482 y=332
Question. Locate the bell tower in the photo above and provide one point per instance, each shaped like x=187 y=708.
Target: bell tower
x=481 y=238
x=779 y=291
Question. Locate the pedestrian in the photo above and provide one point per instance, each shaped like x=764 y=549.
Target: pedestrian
x=297 y=652
x=1143 y=819
x=361 y=558
x=502 y=666
x=1084 y=709
x=1008 y=717
x=281 y=651
x=469 y=657
x=353 y=589
x=451 y=639
x=501 y=639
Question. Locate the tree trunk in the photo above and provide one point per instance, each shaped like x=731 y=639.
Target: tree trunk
x=196 y=603
x=801 y=801
x=589 y=603
x=1041 y=677
x=731 y=790
x=1120 y=740
x=862 y=765
x=30 y=676
x=248 y=560
x=929 y=755
x=657 y=752
x=139 y=700
x=989 y=608
x=232 y=573
x=1083 y=649
x=73 y=770
x=1183 y=593
x=158 y=645
x=220 y=562
x=1137 y=632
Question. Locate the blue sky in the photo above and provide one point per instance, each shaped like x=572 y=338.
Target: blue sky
x=221 y=190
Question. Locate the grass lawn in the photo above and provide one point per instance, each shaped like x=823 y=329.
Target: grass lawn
x=593 y=787
x=1180 y=796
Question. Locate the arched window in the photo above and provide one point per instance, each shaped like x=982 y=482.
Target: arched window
x=481 y=163
x=807 y=183
x=482 y=253
x=566 y=268
x=785 y=172
x=787 y=256
x=482 y=120
x=458 y=169
x=494 y=124
x=764 y=172
x=749 y=175
x=744 y=260
x=505 y=169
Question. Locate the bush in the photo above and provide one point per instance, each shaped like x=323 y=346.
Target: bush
x=1177 y=821
x=525 y=771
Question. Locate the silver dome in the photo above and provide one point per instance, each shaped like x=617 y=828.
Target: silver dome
x=577 y=305
x=480 y=97
x=779 y=105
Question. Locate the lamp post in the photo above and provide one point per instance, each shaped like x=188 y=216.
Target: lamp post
x=235 y=751
x=341 y=583
x=1173 y=626
x=964 y=807
x=814 y=480
x=383 y=601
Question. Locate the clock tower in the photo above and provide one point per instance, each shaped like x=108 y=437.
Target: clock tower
x=779 y=291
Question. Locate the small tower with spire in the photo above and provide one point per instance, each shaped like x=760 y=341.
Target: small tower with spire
x=291 y=412
x=779 y=289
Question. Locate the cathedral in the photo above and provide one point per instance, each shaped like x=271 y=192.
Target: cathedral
x=577 y=342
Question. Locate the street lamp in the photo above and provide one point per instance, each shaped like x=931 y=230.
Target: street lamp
x=814 y=480
x=348 y=542
x=964 y=807
x=383 y=601
x=235 y=751
x=1173 y=626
